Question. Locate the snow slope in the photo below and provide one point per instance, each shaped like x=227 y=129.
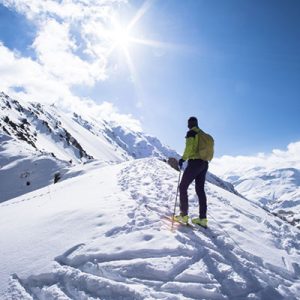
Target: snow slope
x=73 y=136
x=39 y=141
x=48 y=129
x=277 y=190
x=103 y=235
x=23 y=170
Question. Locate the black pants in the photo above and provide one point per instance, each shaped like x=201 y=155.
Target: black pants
x=196 y=170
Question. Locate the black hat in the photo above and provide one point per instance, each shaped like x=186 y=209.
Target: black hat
x=192 y=122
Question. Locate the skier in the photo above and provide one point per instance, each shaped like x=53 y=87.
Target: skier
x=198 y=151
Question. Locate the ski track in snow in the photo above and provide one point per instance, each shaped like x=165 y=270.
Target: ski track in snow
x=188 y=264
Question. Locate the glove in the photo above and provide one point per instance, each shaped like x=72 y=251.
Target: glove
x=180 y=163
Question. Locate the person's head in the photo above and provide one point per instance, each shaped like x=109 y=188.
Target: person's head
x=192 y=122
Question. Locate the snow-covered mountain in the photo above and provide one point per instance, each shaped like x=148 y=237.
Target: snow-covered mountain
x=277 y=190
x=70 y=136
x=101 y=232
x=104 y=235
x=39 y=141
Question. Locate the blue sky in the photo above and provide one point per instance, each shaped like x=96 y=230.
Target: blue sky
x=233 y=64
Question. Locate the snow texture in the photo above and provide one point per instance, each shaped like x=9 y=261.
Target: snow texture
x=103 y=235
x=103 y=231
x=276 y=190
x=39 y=142
x=74 y=137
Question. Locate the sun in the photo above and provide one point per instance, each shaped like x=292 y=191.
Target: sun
x=120 y=37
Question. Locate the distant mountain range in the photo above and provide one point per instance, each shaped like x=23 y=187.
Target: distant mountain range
x=43 y=142
x=276 y=190
x=73 y=136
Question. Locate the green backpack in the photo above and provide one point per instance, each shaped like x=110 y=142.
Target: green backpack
x=205 y=146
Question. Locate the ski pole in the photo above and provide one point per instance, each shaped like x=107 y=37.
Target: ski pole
x=176 y=198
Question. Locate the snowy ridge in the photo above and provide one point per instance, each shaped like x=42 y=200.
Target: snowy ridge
x=48 y=129
x=73 y=136
x=140 y=145
x=222 y=183
x=277 y=190
x=113 y=246
x=39 y=141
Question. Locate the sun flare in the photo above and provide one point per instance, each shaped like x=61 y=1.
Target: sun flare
x=120 y=37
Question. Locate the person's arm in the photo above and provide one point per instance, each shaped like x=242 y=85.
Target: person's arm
x=189 y=145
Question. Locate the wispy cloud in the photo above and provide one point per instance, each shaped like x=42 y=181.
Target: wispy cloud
x=239 y=165
x=37 y=83
x=71 y=48
x=56 y=52
x=28 y=80
x=109 y=112
x=71 y=41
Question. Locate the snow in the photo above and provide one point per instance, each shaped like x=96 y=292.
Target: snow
x=141 y=145
x=277 y=190
x=101 y=232
x=23 y=170
x=38 y=141
x=75 y=137
x=103 y=235
x=95 y=146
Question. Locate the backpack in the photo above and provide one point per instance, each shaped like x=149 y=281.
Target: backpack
x=205 y=146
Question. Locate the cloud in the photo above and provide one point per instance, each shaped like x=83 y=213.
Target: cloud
x=238 y=165
x=109 y=112
x=72 y=41
x=19 y=72
x=55 y=51
x=72 y=47
x=72 y=9
x=37 y=83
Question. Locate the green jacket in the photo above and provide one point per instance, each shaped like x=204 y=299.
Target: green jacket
x=191 y=150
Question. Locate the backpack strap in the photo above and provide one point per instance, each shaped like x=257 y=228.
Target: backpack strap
x=191 y=133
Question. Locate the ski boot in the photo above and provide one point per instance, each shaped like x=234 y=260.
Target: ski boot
x=184 y=219
x=201 y=222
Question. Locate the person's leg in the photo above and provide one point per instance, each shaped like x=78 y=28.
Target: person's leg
x=187 y=178
x=200 y=181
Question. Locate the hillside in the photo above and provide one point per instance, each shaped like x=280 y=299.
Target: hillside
x=40 y=142
x=276 y=189
x=103 y=235
x=71 y=136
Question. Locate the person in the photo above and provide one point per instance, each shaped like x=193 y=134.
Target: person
x=196 y=169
